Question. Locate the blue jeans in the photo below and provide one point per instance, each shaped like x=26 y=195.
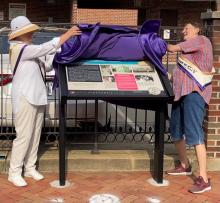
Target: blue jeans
x=187 y=119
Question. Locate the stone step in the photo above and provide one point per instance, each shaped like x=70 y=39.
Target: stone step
x=106 y=160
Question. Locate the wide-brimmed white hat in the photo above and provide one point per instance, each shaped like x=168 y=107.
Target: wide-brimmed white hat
x=20 y=26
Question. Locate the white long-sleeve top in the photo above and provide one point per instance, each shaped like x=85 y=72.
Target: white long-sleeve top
x=28 y=81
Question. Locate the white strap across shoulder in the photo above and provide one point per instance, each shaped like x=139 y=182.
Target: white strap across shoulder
x=201 y=78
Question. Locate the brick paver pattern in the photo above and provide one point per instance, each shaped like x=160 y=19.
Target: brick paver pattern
x=129 y=187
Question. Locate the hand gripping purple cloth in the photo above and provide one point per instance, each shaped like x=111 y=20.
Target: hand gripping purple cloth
x=111 y=42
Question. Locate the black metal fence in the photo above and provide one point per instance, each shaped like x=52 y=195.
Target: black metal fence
x=118 y=127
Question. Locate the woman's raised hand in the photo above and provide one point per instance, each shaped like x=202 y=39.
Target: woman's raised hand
x=73 y=31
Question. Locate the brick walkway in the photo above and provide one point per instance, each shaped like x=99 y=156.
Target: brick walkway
x=129 y=187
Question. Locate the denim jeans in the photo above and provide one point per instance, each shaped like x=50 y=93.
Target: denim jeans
x=187 y=119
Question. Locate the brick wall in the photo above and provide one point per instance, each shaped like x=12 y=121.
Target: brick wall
x=104 y=16
x=3 y=8
x=212 y=120
x=187 y=11
x=191 y=11
x=107 y=16
x=61 y=11
x=74 y=16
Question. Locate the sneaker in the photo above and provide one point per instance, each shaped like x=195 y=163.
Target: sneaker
x=200 y=186
x=180 y=170
x=34 y=174
x=17 y=181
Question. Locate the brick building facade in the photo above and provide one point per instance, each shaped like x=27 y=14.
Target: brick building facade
x=171 y=12
x=122 y=12
x=134 y=12
x=39 y=10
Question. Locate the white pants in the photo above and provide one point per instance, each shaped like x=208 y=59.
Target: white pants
x=28 y=125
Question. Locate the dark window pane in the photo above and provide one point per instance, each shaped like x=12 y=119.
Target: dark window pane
x=169 y=17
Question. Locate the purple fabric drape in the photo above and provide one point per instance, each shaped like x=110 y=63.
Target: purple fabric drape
x=115 y=43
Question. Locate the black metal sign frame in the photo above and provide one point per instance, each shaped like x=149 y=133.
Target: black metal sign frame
x=149 y=102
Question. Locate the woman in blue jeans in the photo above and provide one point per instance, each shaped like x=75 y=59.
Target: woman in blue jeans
x=191 y=96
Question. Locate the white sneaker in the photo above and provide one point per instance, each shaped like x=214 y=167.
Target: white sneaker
x=17 y=181
x=34 y=174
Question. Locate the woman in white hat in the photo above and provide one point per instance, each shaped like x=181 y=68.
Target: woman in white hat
x=29 y=95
